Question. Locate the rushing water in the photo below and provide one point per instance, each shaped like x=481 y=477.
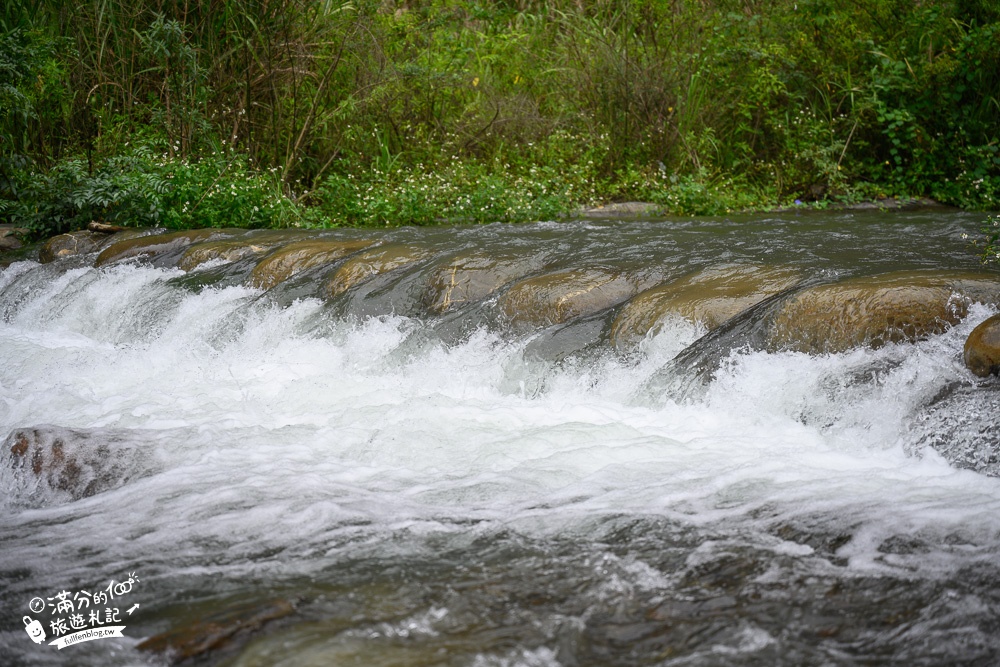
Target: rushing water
x=448 y=490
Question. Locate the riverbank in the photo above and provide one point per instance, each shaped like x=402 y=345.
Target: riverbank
x=224 y=189
x=17 y=243
x=381 y=114
x=22 y=242
x=638 y=209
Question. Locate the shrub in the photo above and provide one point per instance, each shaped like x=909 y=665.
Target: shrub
x=144 y=190
x=989 y=244
x=464 y=192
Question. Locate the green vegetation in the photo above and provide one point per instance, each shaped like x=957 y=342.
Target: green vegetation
x=325 y=113
x=989 y=244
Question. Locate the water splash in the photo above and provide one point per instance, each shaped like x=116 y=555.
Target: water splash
x=553 y=489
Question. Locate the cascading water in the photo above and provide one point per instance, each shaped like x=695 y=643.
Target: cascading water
x=410 y=487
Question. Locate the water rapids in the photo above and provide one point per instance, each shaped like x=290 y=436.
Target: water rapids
x=411 y=487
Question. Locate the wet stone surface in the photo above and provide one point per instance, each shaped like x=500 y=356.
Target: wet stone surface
x=708 y=297
x=960 y=426
x=981 y=352
x=293 y=258
x=875 y=310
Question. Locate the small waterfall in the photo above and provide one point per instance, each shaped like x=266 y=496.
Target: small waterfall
x=447 y=446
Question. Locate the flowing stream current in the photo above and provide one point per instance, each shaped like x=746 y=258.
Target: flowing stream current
x=358 y=480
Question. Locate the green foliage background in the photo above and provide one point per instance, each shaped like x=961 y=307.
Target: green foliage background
x=326 y=113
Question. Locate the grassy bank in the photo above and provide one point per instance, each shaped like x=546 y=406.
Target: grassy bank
x=322 y=113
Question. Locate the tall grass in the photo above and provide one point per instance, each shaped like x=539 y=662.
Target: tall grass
x=786 y=99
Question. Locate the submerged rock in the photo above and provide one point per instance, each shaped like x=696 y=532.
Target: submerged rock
x=216 y=631
x=472 y=277
x=982 y=348
x=875 y=310
x=228 y=251
x=958 y=426
x=708 y=297
x=285 y=262
x=77 y=462
x=554 y=298
x=158 y=244
x=370 y=263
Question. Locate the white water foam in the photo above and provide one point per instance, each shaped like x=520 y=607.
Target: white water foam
x=274 y=438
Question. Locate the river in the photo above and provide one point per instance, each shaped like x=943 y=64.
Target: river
x=401 y=485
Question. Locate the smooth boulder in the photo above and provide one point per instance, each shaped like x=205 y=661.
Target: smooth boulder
x=872 y=311
x=296 y=257
x=232 y=250
x=71 y=244
x=147 y=247
x=554 y=298
x=469 y=278
x=370 y=263
x=982 y=348
x=708 y=297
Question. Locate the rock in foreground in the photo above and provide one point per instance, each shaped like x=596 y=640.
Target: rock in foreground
x=294 y=258
x=472 y=277
x=232 y=250
x=982 y=348
x=954 y=425
x=708 y=297
x=71 y=244
x=875 y=310
x=371 y=263
x=557 y=297
x=148 y=247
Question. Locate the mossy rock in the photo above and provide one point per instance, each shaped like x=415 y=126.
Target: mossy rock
x=228 y=251
x=982 y=348
x=708 y=297
x=87 y=241
x=71 y=244
x=296 y=257
x=875 y=310
x=370 y=263
x=232 y=250
x=554 y=298
x=469 y=278
x=158 y=244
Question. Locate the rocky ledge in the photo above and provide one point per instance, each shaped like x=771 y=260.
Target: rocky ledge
x=535 y=290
